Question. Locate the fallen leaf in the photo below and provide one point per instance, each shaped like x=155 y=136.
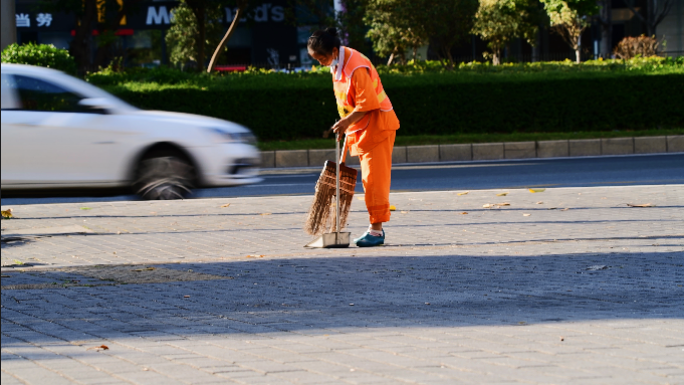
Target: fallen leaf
x=562 y=339
x=464 y=213
x=186 y=296
x=463 y=193
x=552 y=208
x=642 y=205
x=495 y=205
x=393 y=208
x=7 y=214
x=501 y=194
x=266 y=214
x=540 y=203
x=526 y=215
x=254 y=256
x=404 y=212
x=86 y=208
x=98 y=348
x=537 y=190
x=226 y=205
x=565 y=209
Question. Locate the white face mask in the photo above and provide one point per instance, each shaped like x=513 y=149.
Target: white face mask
x=334 y=62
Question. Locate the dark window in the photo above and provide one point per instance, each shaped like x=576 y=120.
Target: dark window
x=39 y=95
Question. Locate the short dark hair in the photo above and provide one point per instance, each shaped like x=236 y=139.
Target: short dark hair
x=323 y=41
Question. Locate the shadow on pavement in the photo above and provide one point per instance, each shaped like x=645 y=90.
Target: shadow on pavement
x=252 y=298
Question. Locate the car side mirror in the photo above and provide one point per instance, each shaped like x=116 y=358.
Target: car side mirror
x=96 y=104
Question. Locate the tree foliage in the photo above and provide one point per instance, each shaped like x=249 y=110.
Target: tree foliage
x=500 y=21
x=451 y=22
x=398 y=25
x=569 y=18
x=183 y=37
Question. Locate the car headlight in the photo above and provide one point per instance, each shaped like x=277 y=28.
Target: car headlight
x=223 y=136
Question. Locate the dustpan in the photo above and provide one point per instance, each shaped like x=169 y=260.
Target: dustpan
x=336 y=239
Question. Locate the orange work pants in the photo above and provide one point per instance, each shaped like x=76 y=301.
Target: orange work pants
x=376 y=174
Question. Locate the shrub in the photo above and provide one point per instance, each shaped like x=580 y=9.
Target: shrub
x=44 y=55
x=477 y=98
x=631 y=47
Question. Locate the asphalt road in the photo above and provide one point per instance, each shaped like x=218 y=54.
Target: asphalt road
x=576 y=172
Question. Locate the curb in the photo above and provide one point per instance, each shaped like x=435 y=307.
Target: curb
x=490 y=151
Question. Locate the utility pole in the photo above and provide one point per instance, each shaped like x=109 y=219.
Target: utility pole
x=9 y=23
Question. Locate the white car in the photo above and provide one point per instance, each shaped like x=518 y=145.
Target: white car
x=61 y=132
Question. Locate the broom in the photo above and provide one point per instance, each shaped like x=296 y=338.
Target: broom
x=320 y=218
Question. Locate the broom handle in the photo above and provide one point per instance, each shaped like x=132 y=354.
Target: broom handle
x=343 y=157
x=337 y=185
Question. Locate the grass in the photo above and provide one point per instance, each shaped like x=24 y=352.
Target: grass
x=420 y=140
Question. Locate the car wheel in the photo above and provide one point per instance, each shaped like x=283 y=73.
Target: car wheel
x=164 y=176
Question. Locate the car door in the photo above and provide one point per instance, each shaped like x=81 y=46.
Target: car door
x=53 y=140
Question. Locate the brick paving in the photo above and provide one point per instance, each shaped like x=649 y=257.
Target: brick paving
x=191 y=292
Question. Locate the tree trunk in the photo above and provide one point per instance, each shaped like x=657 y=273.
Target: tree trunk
x=80 y=45
x=391 y=58
x=202 y=35
x=496 y=57
x=606 y=29
x=415 y=54
x=450 y=58
x=578 y=59
x=226 y=37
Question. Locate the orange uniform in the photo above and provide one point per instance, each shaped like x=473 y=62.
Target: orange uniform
x=358 y=87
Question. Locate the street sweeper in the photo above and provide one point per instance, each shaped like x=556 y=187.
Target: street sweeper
x=368 y=121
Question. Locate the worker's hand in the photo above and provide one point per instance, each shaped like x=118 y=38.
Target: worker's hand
x=341 y=127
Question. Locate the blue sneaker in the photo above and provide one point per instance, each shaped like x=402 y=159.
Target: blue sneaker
x=368 y=240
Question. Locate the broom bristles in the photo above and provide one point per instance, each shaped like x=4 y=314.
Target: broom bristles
x=321 y=216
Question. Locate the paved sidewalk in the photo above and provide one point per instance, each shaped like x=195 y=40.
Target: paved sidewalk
x=562 y=286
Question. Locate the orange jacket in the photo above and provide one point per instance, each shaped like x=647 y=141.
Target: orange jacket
x=362 y=91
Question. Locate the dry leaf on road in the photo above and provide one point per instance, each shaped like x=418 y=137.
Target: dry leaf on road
x=642 y=205
x=98 y=348
x=404 y=212
x=226 y=205
x=266 y=214
x=464 y=213
x=526 y=215
x=463 y=193
x=393 y=208
x=537 y=190
x=502 y=194
x=540 y=203
x=7 y=214
x=565 y=209
x=255 y=256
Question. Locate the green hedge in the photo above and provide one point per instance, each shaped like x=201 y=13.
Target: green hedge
x=44 y=55
x=286 y=106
